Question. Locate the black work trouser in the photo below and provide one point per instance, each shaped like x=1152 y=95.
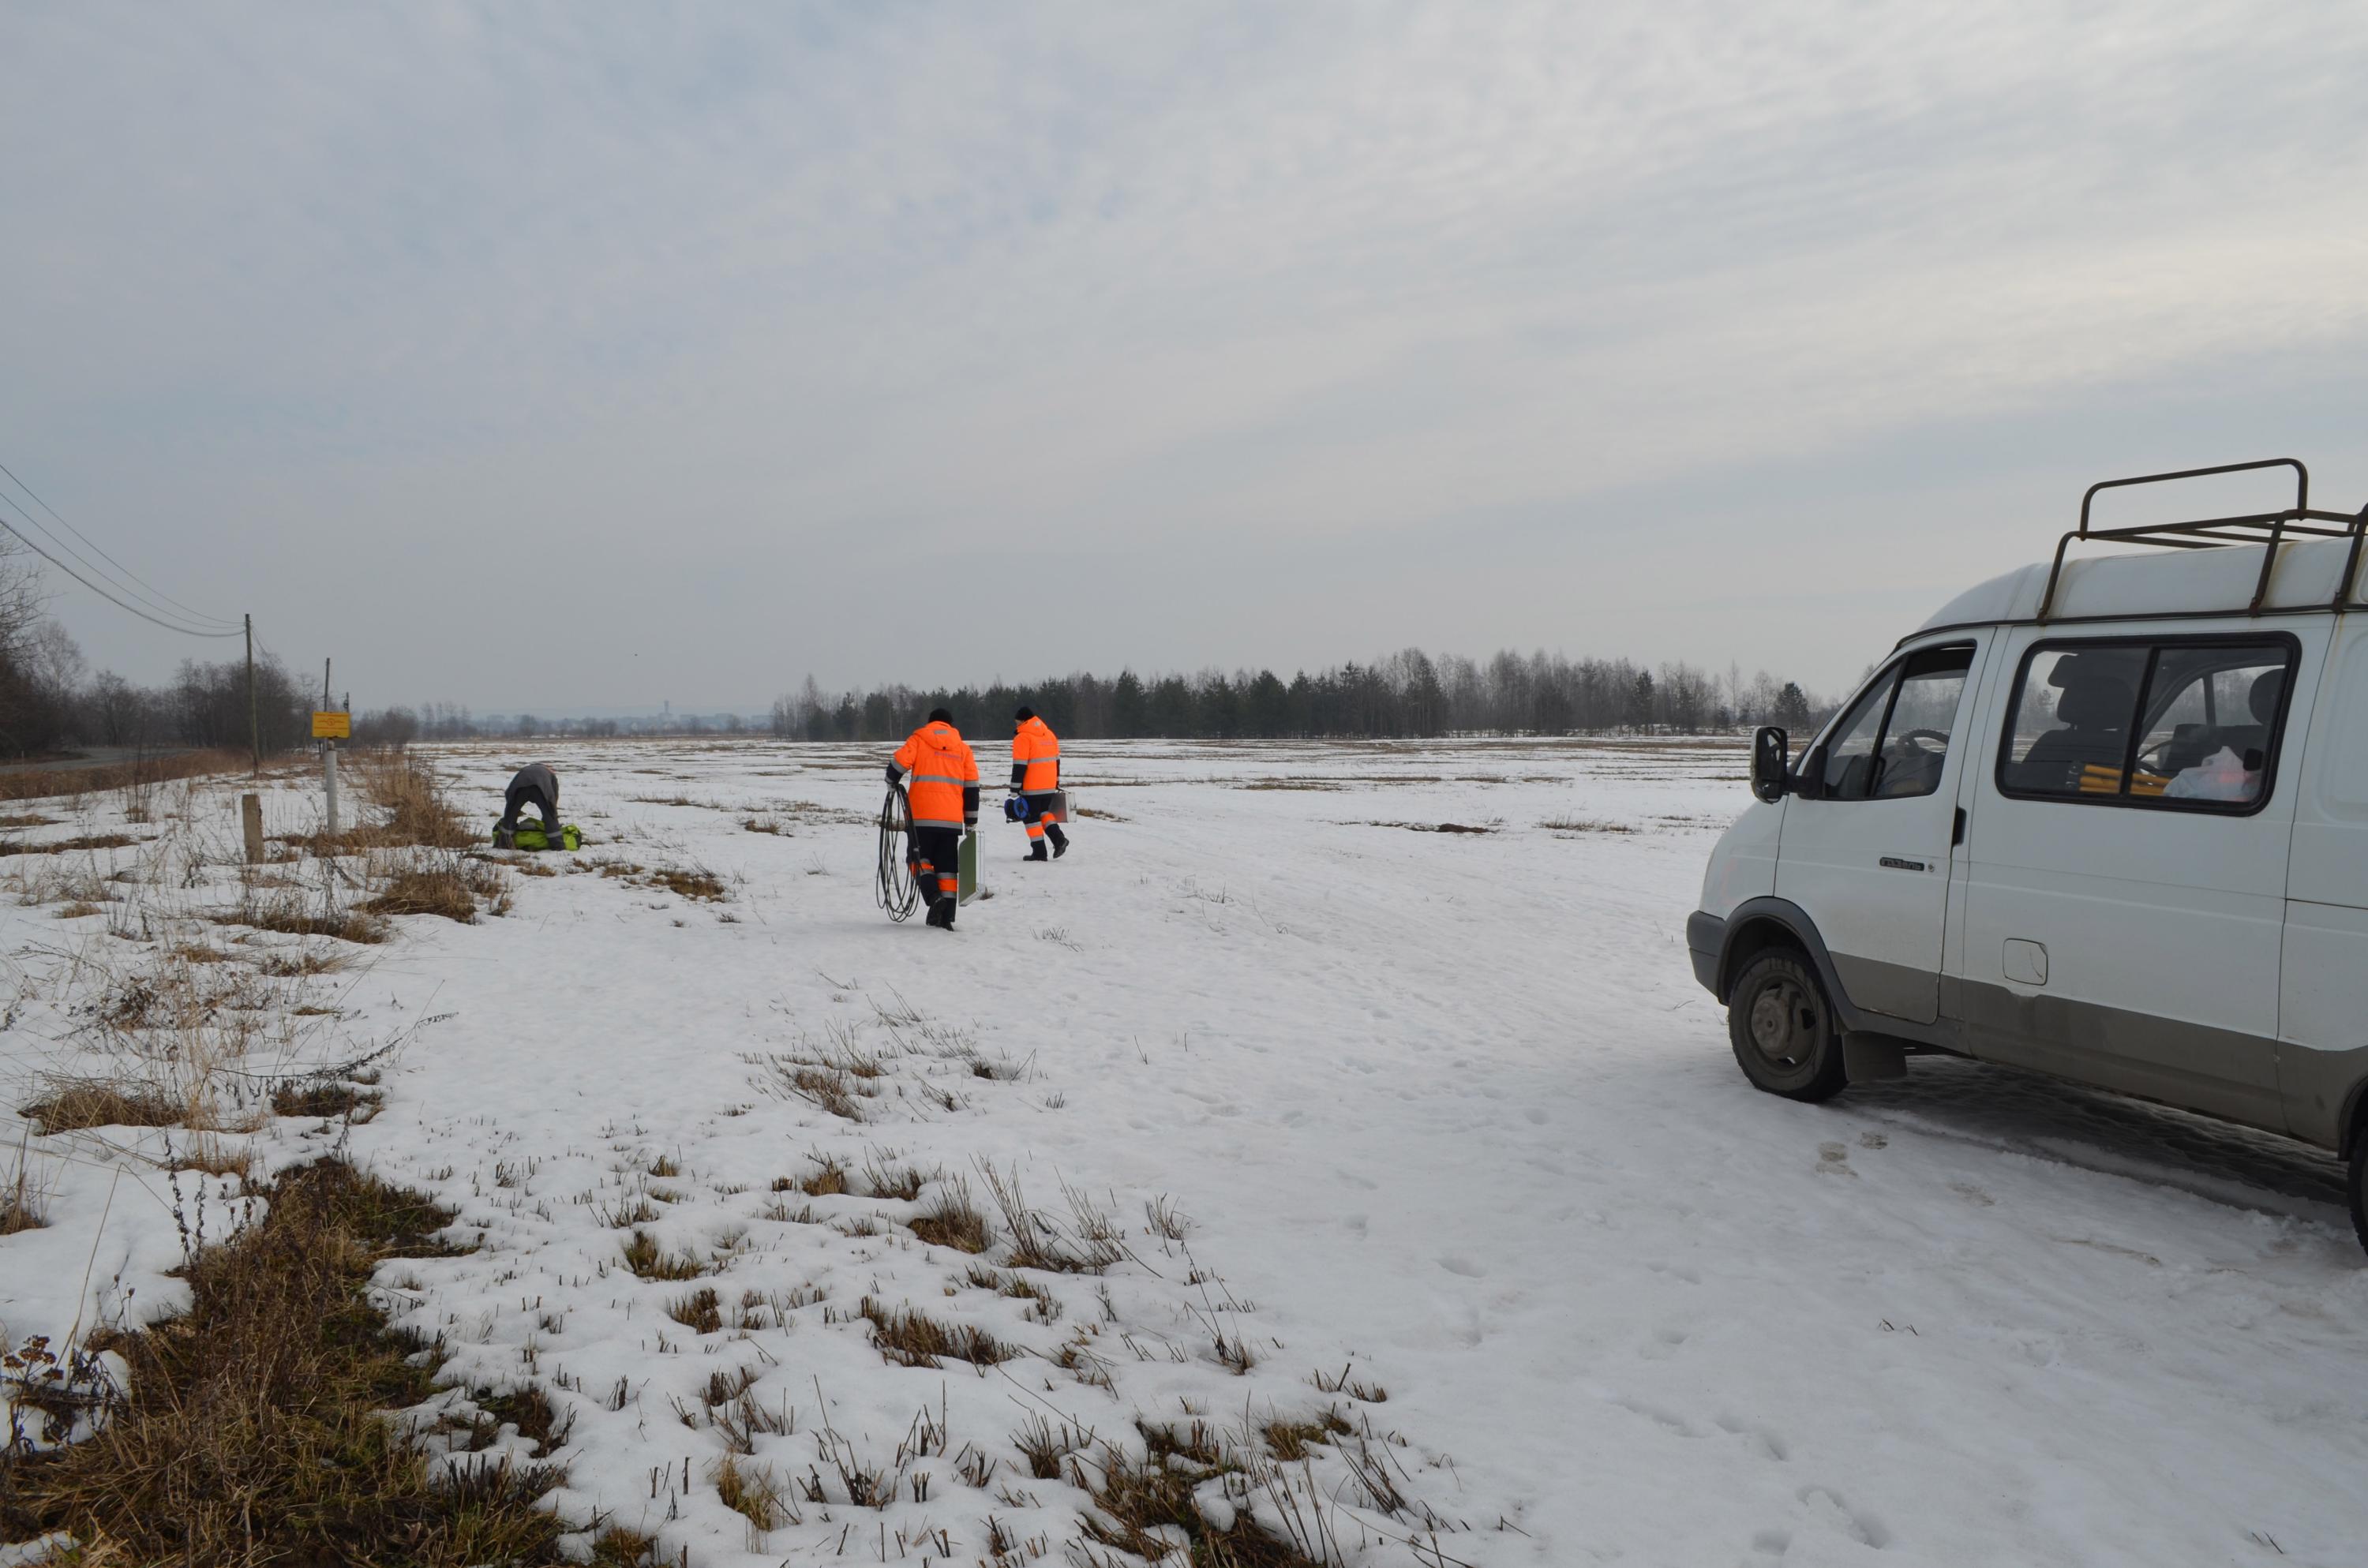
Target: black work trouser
x=516 y=801
x=937 y=862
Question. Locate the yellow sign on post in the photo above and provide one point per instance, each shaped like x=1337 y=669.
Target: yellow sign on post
x=333 y=726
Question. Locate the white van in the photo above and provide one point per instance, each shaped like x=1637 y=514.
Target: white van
x=2103 y=818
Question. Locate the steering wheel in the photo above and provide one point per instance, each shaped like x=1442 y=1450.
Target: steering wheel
x=2156 y=758
x=1931 y=743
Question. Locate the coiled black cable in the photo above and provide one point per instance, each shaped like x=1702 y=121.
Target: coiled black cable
x=897 y=891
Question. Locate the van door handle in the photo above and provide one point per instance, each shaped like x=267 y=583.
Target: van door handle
x=1957 y=833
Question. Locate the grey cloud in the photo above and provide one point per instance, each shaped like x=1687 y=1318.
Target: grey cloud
x=749 y=315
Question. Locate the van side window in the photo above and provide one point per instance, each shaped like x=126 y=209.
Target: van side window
x=1894 y=742
x=2072 y=718
x=2187 y=723
x=2210 y=711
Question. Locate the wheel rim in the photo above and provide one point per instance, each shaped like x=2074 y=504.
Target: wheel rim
x=1785 y=1023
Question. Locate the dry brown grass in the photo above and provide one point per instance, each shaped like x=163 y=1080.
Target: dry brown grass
x=59 y=847
x=752 y=1492
x=451 y=887
x=291 y=915
x=954 y=1220
x=1291 y=1440
x=285 y=966
x=9 y=823
x=414 y=809
x=701 y=1312
x=649 y=1261
x=1341 y=1382
x=1144 y=1506
x=910 y=1338
x=73 y=1103
x=691 y=883
x=121 y=775
x=326 y=1097
x=255 y=1430
x=24 y=1200
x=1585 y=825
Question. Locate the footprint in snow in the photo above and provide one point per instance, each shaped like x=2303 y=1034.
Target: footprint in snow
x=1834 y=1160
x=1872 y=1140
x=1826 y=1503
x=1463 y=1265
x=1537 y=1118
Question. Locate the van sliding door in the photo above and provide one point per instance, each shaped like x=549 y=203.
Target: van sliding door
x=2126 y=866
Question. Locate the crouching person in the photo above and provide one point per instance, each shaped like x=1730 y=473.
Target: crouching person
x=943 y=791
x=535 y=785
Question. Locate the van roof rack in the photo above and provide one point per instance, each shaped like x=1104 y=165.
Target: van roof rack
x=2271 y=528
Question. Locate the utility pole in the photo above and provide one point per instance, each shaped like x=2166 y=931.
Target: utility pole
x=254 y=726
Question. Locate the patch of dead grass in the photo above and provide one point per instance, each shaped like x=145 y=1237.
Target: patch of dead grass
x=292 y=916
x=451 y=890
x=75 y=1104
x=911 y=1338
x=649 y=1261
x=954 y=1220
x=254 y=1427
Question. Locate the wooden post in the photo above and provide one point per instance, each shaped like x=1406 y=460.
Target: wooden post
x=254 y=726
x=250 y=811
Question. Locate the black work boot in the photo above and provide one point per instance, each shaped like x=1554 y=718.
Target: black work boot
x=946 y=907
x=1060 y=840
x=1036 y=852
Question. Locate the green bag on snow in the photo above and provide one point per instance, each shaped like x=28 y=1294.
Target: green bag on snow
x=531 y=836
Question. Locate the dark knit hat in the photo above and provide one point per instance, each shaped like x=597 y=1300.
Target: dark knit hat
x=939 y=716
x=1024 y=714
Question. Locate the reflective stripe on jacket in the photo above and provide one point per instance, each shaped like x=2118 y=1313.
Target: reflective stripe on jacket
x=941 y=767
x=1035 y=758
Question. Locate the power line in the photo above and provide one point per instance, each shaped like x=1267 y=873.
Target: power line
x=120 y=603
x=154 y=597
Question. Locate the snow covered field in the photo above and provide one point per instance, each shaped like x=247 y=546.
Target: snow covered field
x=1354 y=1106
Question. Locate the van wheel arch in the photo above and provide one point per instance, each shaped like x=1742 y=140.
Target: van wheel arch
x=1747 y=941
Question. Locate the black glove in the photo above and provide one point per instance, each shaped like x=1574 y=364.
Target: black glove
x=896 y=774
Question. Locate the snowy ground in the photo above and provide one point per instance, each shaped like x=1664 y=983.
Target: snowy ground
x=1444 y=1109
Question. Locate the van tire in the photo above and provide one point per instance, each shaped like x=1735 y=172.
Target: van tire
x=1783 y=1030
x=2356 y=1185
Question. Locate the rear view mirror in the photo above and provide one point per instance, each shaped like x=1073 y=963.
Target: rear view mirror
x=1771 y=761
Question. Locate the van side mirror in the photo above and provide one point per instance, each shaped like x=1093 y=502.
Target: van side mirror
x=1770 y=758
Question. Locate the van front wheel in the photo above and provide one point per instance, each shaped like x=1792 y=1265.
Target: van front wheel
x=1784 y=1033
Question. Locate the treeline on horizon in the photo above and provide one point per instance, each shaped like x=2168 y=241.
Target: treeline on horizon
x=1408 y=694
x=51 y=701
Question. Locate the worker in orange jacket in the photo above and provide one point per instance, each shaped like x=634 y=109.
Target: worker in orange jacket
x=944 y=796
x=1036 y=774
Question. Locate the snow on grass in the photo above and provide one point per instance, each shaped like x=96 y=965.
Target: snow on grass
x=1249 y=1174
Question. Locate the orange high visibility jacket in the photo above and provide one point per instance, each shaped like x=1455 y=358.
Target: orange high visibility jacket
x=944 y=783
x=1035 y=758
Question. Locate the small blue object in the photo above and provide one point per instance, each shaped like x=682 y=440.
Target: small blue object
x=1014 y=808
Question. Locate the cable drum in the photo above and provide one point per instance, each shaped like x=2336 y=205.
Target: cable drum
x=897 y=891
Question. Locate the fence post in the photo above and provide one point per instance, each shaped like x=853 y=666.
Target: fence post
x=250 y=810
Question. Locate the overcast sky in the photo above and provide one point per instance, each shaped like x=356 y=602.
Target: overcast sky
x=581 y=356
